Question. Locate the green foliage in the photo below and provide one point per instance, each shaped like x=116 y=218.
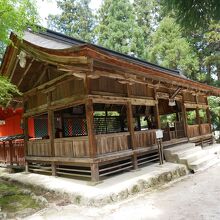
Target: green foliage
x=194 y=14
x=191 y=117
x=147 y=15
x=167 y=119
x=16 y=16
x=206 y=43
x=214 y=103
x=7 y=90
x=170 y=49
x=2 y=50
x=76 y=19
x=118 y=29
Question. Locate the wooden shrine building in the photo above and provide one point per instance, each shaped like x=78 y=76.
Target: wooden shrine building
x=94 y=112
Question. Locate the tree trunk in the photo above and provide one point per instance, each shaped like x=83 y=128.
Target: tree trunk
x=218 y=71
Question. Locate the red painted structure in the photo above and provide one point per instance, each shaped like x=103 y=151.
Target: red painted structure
x=12 y=119
x=11 y=147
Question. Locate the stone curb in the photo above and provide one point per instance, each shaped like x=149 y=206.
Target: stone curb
x=100 y=197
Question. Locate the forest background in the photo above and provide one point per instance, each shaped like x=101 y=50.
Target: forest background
x=173 y=34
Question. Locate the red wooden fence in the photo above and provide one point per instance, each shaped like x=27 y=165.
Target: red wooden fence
x=12 y=152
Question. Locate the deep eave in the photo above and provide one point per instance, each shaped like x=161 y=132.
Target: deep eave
x=80 y=48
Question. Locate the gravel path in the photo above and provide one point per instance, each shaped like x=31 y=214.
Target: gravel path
x=196 y=197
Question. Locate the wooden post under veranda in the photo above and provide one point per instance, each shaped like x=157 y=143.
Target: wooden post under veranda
x=132 y=135
x=51 y=131
x=26 y=138
x=92 y=142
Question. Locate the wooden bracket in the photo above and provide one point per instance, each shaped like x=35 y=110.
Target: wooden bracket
x=175 y=93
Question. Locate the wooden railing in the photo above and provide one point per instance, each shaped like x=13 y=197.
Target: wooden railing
x=12 y=152
x=108 y=143
x=39 y=148
x=71 y=147
x=18 y=149
x=196 y=130
x=193 y=130
x=145 y=138
x=173 y=132
x=205 y=129
x=3 y=153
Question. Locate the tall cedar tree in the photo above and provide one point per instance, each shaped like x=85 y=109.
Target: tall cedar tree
x=117 y=28
x=147 y=14
x=212 y=48
x=76 y=19
x=194 y=14
x=169 y=49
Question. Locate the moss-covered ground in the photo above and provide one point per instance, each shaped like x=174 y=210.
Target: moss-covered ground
x=15 y=199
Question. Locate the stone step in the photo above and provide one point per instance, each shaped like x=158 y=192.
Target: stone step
x=192 y=157
x=202 y=162
x=173 y=154
x=187 y=152
x=179 y=148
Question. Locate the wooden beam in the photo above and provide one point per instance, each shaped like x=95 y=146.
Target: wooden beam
x=50 y=83
x=41 y=76
x=50 y=57
x=122 y=100
x=14 y=68
x=192 y=105
x=59 y=104
x=35 y=111
x=148 y=71
x=175 y=93
x=122 y=77
x=71 y=160
x=25 y=72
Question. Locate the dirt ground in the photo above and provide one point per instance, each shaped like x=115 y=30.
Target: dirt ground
x=196 y=197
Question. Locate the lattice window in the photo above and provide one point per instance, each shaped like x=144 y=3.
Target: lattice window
x=105 y=125
x=41 y=127
x=74 y=127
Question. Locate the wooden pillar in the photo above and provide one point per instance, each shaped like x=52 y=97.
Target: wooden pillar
x=197 y=116
x=51 y=131
x=132 y=135
x=198 y=120
x=208 y=115
x=92 y=141
x=156 y=111
x=139 y=122
x=26 y=138
x=90 y=129
x=169 y=133
x=184 y=116
x=94 y=172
